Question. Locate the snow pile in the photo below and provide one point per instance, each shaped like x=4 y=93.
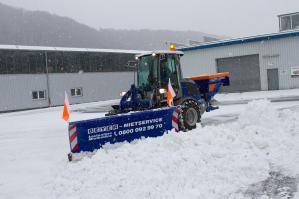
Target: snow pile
x=275 y=133
x=208 y=162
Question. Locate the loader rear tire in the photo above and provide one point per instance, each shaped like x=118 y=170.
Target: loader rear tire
x=191 y=114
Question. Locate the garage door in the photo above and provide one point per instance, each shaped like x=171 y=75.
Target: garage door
x=244 y=72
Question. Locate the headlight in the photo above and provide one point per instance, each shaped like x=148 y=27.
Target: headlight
x=162 y=90
x=122 y=93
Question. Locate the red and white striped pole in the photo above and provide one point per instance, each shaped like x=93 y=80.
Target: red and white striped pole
x=73 y=135
x=175 y=119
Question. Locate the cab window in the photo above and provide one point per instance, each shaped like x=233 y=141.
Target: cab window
x=169 y=66
x=147 y=75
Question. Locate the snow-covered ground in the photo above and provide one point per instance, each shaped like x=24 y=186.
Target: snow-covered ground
x=257 y=95
x=234 y=154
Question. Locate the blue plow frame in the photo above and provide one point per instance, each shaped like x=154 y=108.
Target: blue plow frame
x=90 y=135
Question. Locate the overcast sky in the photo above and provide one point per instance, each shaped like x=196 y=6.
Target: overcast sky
x=221 y=17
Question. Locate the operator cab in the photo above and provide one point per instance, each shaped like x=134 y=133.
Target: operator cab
x=154 y=71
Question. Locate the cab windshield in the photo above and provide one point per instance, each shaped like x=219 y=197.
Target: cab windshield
x=147 y=75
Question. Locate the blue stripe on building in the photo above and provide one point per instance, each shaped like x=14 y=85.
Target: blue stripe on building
x=243 y=40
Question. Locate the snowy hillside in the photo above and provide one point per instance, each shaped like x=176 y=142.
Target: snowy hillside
x=240 y=151
x=39 y=28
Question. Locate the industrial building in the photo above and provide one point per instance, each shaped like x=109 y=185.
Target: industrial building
x=36 y=77
x=263 y=62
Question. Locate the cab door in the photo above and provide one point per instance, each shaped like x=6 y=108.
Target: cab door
x=170 y=69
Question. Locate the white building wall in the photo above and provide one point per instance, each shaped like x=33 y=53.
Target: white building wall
x=96 y=86
x=276 y=53
x=16 y=90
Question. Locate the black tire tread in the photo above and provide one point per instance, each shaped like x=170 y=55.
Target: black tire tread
x=185 y=106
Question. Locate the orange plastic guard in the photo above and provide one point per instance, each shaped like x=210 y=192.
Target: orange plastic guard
x=203 y=77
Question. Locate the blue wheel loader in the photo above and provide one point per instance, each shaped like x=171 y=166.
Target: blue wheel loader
x=143 y=110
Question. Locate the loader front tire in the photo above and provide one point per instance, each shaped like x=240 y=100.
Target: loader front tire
x=191 y=114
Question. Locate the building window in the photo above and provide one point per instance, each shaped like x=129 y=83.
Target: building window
x=289 y=22
x=76 y=92
x=286 y=23
x=39 y=95
x=295 y=21
x=34 y=62
x=22 y=62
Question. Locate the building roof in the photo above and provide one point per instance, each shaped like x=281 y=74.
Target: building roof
x=161 y=52
x=228 y=42
x=287 y=14
x=45 y=48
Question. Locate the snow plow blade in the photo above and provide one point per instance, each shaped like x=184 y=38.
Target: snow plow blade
x=90 y=135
